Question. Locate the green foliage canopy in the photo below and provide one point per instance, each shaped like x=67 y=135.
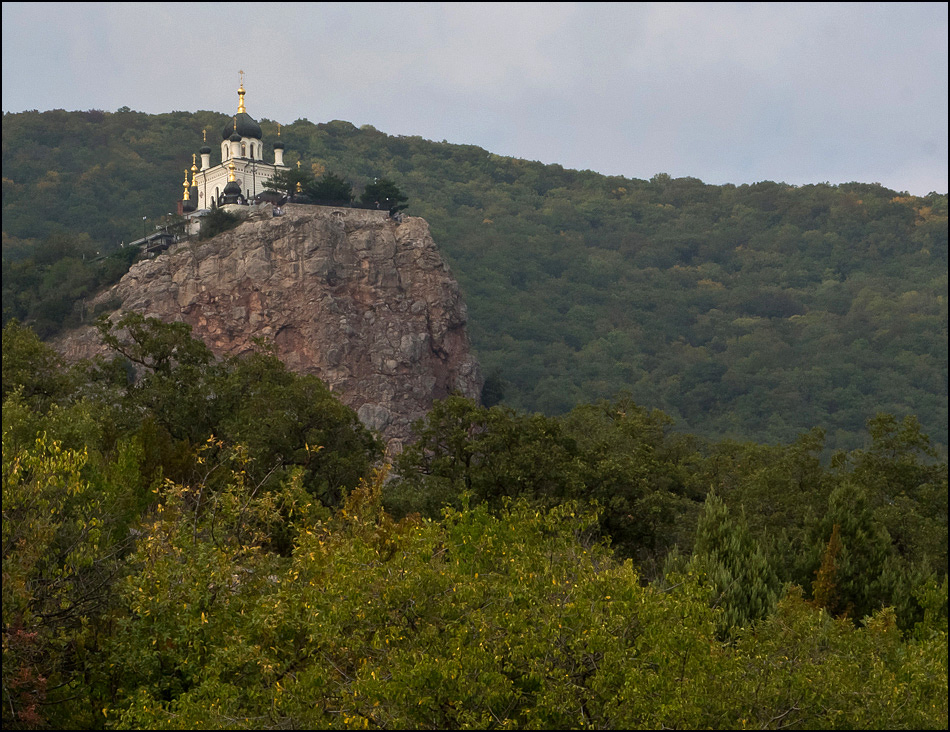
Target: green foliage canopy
x=744 y=312
x=330 y=189
x=155 y=575
x=384 y=194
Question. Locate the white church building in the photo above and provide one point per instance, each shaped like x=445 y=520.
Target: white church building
x=240 y=176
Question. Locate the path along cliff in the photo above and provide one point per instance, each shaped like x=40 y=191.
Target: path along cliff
x=361 y=301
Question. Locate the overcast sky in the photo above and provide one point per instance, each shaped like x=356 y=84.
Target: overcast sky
x=727 y=93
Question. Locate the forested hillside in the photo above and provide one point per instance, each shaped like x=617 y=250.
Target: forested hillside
x=747 y=312
x=212 y=544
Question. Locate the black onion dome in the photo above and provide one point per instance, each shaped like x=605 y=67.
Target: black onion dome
x=235 y=137
x=205 y=150
x=278 y=145
x=233 y=188
x=244 y=125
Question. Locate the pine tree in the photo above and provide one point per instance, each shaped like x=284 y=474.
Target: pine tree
x=824 y=589
x=743 y=584
x=860 y=558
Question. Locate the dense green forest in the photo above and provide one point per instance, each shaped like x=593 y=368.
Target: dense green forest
x=744 y=312
x=196 y=543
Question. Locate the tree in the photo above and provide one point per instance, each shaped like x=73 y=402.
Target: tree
x=781 y=490
x=803 y=669
x=743 y=584
x=488 y=453
x=284 y=420
x=384 y=194
x=66 y=520
x=613 y=454
x=478 y=619
x=291 y=422
x=174 y=373
x=906 y=487
x=330 y=189
x=289 y=181
x=34 y=367
x=630 y=463
x=851 y=553
x=218 y=221
x=825 y=589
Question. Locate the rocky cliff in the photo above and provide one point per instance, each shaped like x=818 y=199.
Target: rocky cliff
x=351 y=296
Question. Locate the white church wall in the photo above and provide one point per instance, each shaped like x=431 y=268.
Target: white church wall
x=251 y=174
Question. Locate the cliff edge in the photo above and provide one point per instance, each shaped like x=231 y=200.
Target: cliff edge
x=349 y=295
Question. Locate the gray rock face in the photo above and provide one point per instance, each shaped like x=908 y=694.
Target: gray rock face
x=348 y=295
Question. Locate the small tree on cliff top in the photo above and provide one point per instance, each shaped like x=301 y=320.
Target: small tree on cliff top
x=384 y=194
x=330 y=188
x=285 y=181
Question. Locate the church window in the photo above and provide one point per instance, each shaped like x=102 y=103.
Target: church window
x=243 y=150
